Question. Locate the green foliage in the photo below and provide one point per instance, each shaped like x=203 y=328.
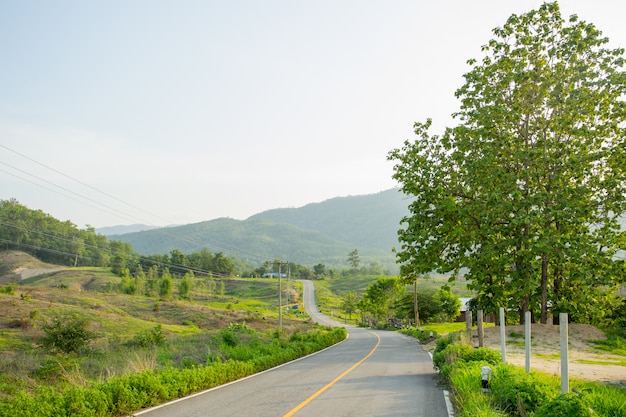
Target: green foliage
x=8 y=289
x=614 y=344
x=447 y=355
x=518 y=392
x=319 y=233
x=165 y=286
x=66 y=335
x=526 y=190
x=353 y=259
x=122 y=395
x=450 y=304
x=565 y=405
x=468 y=398
x=349 y=303
x=149 y=338
x=184 y=286
x=421 y=335
x=29 y=230
x=603 y=399
x=380 y=297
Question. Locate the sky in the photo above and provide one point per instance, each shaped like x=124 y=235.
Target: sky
x=176 y=112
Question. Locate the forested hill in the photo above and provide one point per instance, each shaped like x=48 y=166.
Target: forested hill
x=368 y=221
x=316 y=233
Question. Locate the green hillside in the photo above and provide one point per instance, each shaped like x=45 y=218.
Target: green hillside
x=316 y=233
x=361 y=221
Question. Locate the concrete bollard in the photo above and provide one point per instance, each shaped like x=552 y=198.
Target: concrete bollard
x=485 y=374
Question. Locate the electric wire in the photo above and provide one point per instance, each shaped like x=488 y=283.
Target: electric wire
x=82 y=183
x=107 y=250
x=232 y=251
x=60 y=193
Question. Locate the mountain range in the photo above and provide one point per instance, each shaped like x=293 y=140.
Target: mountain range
x=324 y=232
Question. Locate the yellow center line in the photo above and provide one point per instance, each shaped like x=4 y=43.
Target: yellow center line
x=331 y=383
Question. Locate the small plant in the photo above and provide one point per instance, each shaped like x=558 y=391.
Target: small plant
x=67 y=335
x=565 y=405
x=148 y=338
x=8 y=289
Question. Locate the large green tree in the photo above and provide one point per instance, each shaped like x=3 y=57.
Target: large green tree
x=526 y=190
x=381 y=296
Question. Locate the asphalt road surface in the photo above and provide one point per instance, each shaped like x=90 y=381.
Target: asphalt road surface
x=372 y=373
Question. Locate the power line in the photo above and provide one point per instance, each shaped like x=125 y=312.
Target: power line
x=233 y=249
x=107 y=250
x=83 y=183
x=60 y=193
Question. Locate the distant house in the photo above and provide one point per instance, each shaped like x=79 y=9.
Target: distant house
x=274 y=275
x=465 y=307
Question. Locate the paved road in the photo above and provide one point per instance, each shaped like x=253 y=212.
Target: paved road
x=372 y=373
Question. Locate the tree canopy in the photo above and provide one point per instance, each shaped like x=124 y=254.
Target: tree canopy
x=526 y=191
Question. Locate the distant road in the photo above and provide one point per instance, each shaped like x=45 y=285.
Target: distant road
x=372 y=373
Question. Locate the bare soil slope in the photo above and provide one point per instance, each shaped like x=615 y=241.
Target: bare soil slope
x=16 y=266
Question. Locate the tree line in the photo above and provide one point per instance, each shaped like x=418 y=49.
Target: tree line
x=63 y=243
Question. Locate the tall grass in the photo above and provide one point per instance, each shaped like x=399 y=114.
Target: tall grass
x=245 y=352
x=513 y=392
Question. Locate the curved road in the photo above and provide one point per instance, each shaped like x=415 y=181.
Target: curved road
x=372 y=373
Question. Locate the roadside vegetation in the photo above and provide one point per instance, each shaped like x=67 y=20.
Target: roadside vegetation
x=512 y=391
x=76 y=342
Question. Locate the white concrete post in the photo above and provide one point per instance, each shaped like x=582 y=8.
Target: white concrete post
x=503 y=334
x=481 y=330
x=563 y=328
x=527 y=327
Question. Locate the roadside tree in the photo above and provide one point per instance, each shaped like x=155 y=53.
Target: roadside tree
x=526 y=191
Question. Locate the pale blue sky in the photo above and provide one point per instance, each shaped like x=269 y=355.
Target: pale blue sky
x=184 y=111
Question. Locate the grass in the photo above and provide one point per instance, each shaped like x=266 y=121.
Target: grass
x=556 y=355
x=616 y=362
x=513 y=392
x=447 y=328
x=613 y=344
x=191 y=326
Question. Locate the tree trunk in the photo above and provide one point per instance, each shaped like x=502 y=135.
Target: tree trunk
x=557 y=289
x=523 y=309
x=544 y=289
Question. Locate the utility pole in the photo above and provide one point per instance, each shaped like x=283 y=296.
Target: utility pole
x=280 y=296
x=415 y=306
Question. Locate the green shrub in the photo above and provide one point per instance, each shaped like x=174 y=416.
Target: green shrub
x=450 y=354
x=8 y=289
x=454 y=352
x=122 y=395
x=148 y=338
x=605 y=400
x=483 y=354
x=443 y=342
x=565 y=405
x=66 y=335
x=517 y=392
x=469 y=400
x=85 y=402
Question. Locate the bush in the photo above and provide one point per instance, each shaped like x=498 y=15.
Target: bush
x=122 y=395
x=517 y=392
x=66 y=336
x=447 y=352
x=468 y=397
x=149 y=338
x=565 y=405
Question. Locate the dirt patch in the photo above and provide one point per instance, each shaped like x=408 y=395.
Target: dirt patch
x=585 y=360
x=16 y=266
